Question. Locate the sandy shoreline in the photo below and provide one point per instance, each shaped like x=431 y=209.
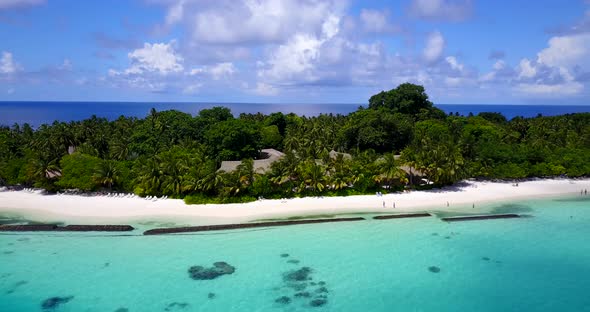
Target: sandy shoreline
x=103 y=209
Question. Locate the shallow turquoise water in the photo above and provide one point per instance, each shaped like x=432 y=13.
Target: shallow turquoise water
x=541 y=263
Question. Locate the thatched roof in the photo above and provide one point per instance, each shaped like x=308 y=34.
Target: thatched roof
x=333 y=154
x=268 y=157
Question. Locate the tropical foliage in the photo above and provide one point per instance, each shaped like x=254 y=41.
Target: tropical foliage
x=171 y=153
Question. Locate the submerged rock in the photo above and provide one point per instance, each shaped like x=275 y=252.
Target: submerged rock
x=211 y=295
x=15 y=286
x=122 y=310
x=434 y=269
x=293 y=261
x=321 y=290
x=303 y=294
x=485 y=258
x=297 y=286
x=318 y=302
x=297 y=275
x=198 y=272
x=176 y=306
x=54 y=302
x=283 y=300
x=285 y=255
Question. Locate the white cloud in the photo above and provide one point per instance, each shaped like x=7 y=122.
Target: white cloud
x=192 y=88
x=265 y=89
x=66 y=65
x=526 y=69
x=7 y=64
x=376 y=21
x=435 y=44
x=500 y=71
x=160 y=58
x=455 y=65
x=451 y=10
x=222 y=70
x=550 y=90
x=217 y=72
x=567 y=51
x=555 y=68
x=234 y=22
x=373 y=20
x=175 y=12
x=12 y=4
x=293 y=60
x=499 y=65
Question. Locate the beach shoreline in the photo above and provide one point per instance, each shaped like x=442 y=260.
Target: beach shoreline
x=468 y=196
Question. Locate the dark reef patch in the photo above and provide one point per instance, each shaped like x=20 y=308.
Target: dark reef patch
x=298 y=282
x=176 y=306
x=293 y=261
x=15 y=286
x=485 y=258
x=300 y=275
x=318 y=302
x=297 y=286
x=8 y=252
x=321 y=290
x=198 y=272
x=285 y=255
x=511 y=208
x=211 y=296
x=283 y=300
x=54 y=302
x=303 y=294
x=122 y=310
x=434 y=269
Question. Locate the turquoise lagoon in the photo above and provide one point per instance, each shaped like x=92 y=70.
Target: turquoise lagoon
x=540 y=263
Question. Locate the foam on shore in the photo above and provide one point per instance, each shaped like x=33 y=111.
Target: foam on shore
x=116 y=210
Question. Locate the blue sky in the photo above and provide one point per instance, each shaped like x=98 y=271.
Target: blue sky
x=294 y=51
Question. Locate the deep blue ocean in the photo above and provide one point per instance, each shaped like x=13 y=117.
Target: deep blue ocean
x=36 y=113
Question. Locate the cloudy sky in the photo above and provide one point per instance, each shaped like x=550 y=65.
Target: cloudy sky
x=295 y=51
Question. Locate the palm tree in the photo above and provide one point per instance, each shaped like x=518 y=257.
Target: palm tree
x=314 y=176
x=339 y=173
x=107 y=173
x=212 y=179
x=150 y=175
x=174 y=171
x=389 y=170
x=246 y=172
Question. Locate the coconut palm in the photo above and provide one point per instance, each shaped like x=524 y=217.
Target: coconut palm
x=106 y=173
x=314 y=176
x=389 y=170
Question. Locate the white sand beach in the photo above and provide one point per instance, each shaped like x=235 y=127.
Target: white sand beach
x=117 y=210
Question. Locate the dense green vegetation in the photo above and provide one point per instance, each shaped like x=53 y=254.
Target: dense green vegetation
x=175 y=154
